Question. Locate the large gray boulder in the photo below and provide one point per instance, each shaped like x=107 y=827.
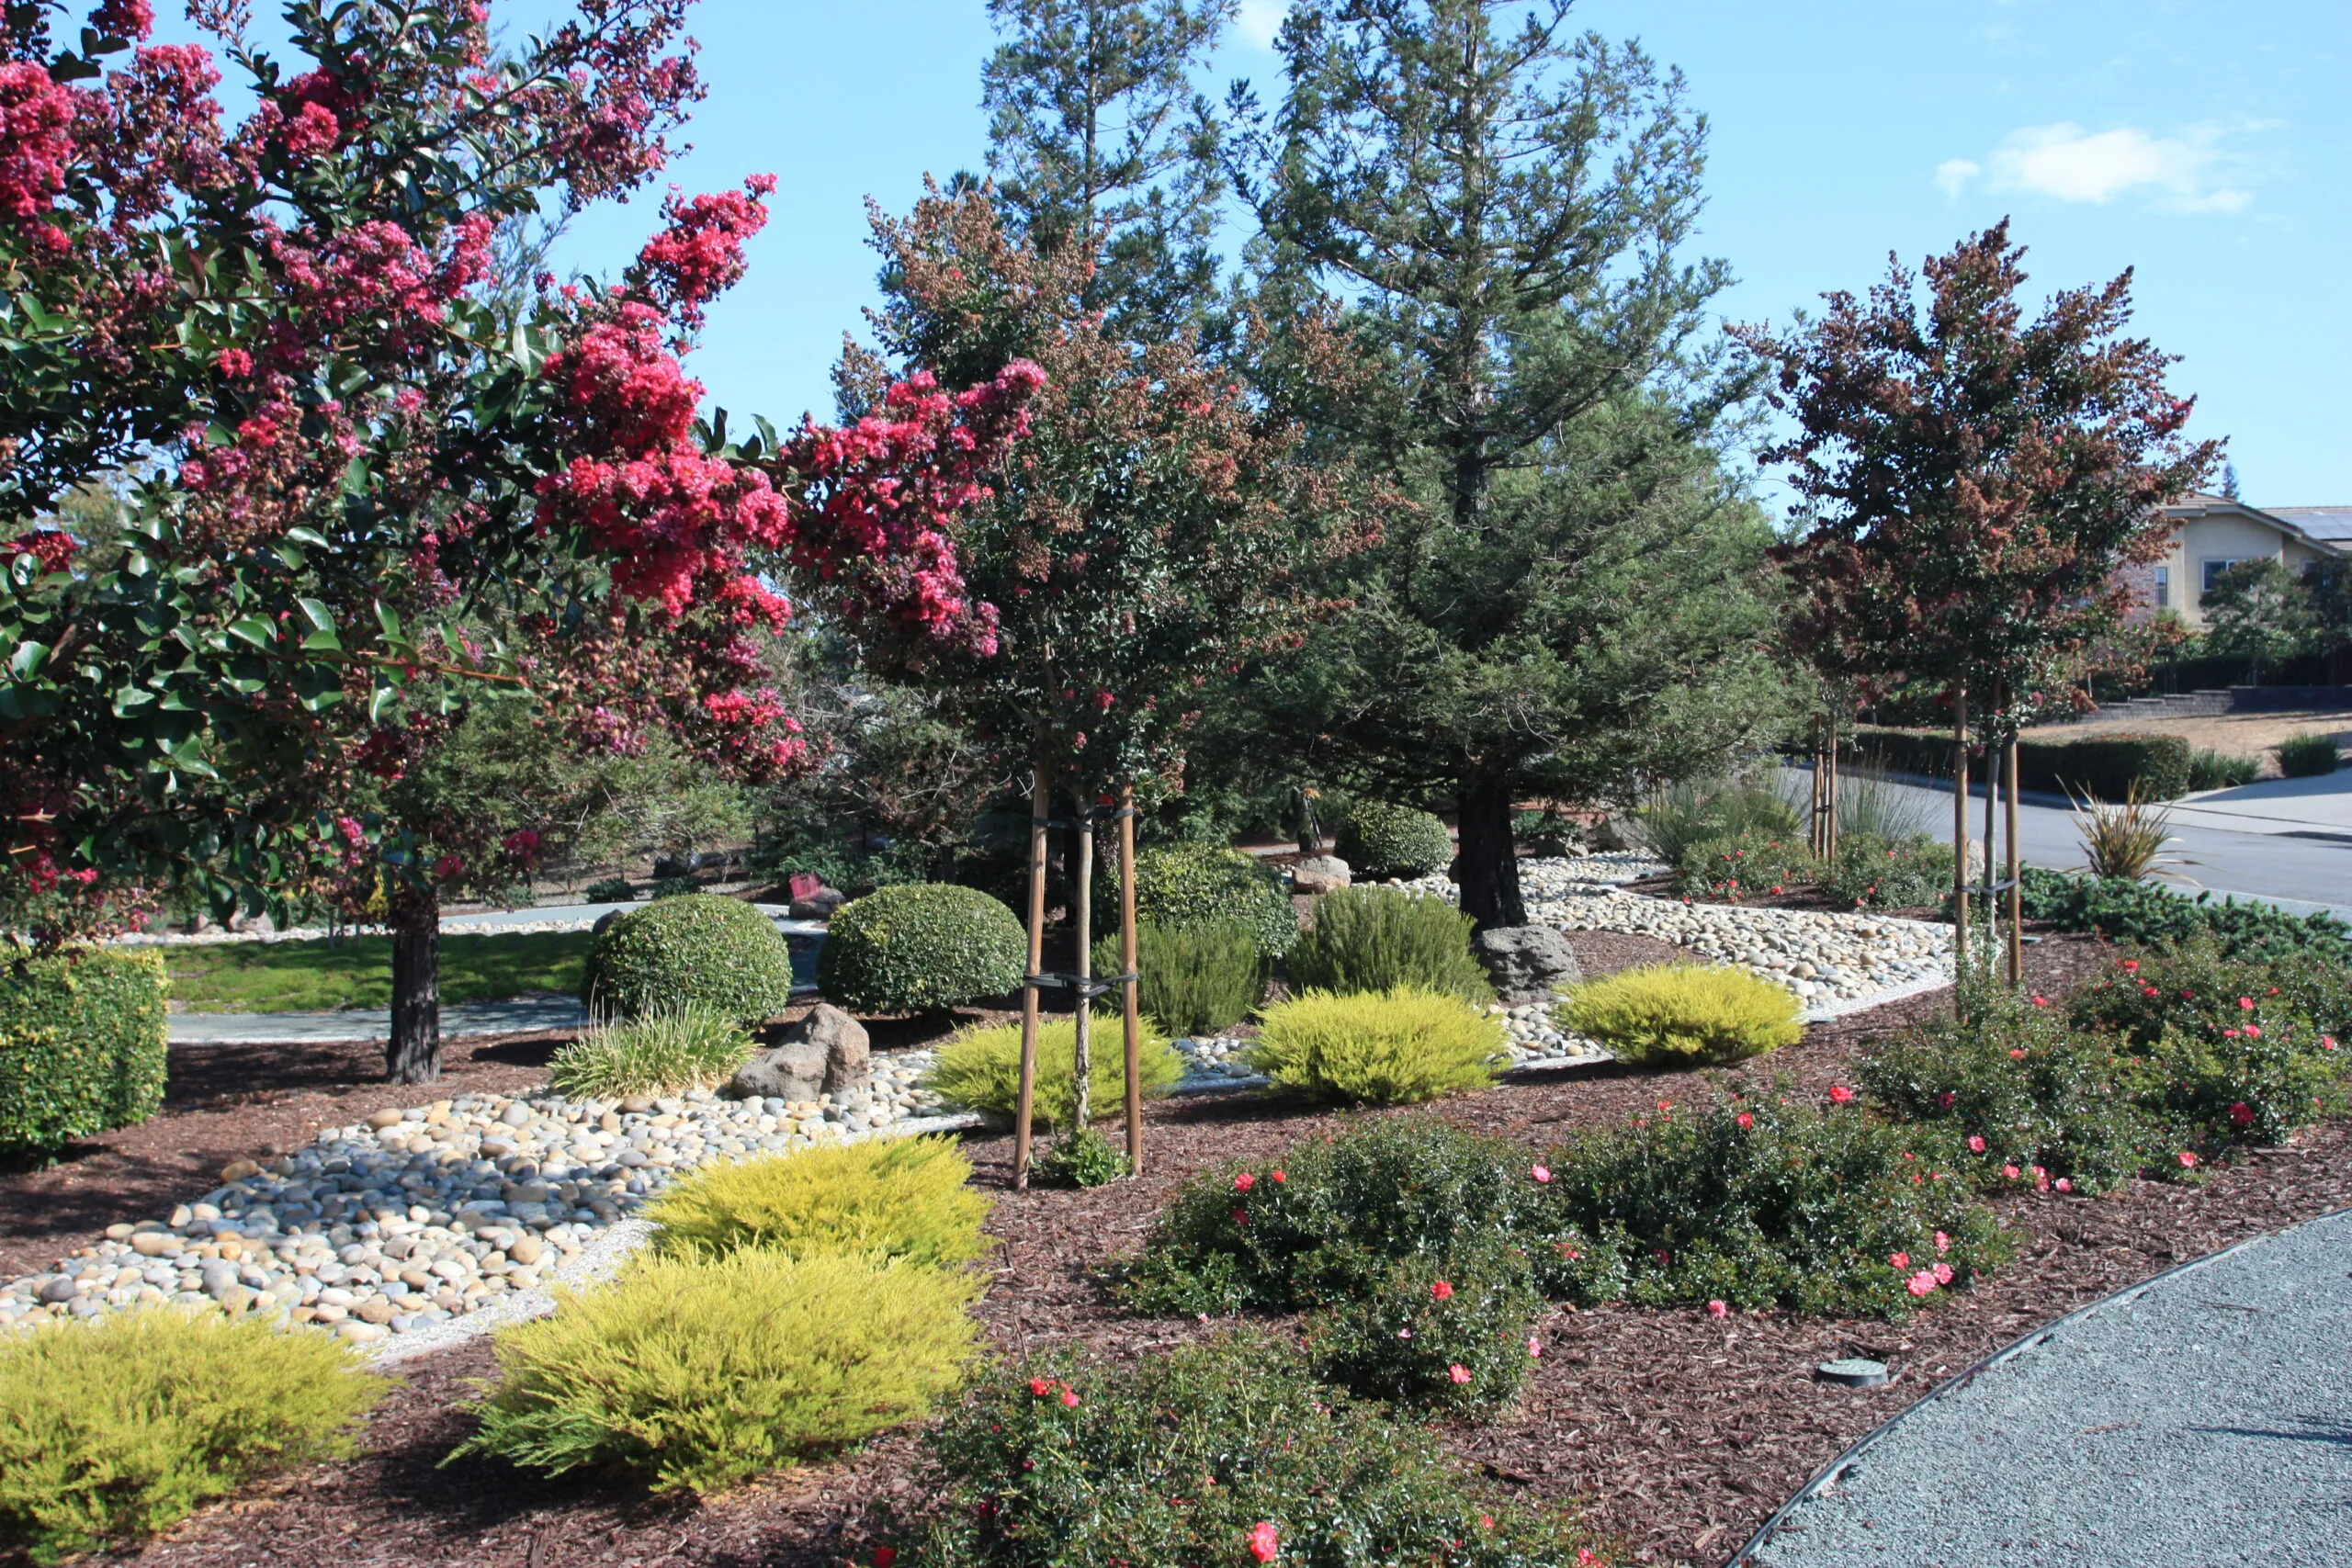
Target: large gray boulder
x=1526 y=962
x=826 y=1053
x=1320 y=874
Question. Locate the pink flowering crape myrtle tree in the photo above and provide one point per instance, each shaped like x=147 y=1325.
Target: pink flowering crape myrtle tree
x=364 y=488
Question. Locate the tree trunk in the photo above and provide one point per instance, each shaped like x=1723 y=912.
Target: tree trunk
x=1487 y=865
x=413 y=1055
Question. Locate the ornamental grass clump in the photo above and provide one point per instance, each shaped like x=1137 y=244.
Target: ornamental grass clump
x=1394 y=1047
x=1681 y=1015
x=660 y=1053
x=696 y=1376
x=1197 y=978
x=1373 y=939
x=980 y=1069
x=1323 y=1222
x=2307 y=755
x=1222 y=1452
x=1453 y=1332
x=906 y=1199
x=1758 y=1203
x=113 y=1430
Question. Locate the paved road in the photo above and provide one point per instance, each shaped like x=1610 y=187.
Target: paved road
x=2289 y=846
x=459 y=1020
x=2203 y=1418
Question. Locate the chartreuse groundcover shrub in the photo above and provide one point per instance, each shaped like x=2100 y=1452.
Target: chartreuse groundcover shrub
x=980 y=1069
x=1372 y=939
x=1379 y=840
x=692 y=1375
x=1199 y=977
x=1191 y=884
x=903 y=1199
x=696 y=952
x=1395 y=1047
x=1682 y=1015
x=114 y=1429
x=918 y=947
x=1224 y=1452
x=667 y=1052
x=81 y=1044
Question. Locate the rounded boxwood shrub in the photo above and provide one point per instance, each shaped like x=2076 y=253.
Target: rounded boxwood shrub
x=1378 y=840
x=919 y=946
x=697 y=952
x=1192 y=884
x=81 y=1044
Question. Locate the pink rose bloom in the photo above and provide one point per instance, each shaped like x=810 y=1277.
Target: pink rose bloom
x=1717 y=1309
x=1458 y=1372
x=1922 y=1283
x=1943 y=1273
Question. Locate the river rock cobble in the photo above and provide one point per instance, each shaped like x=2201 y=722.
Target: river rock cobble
x=415 y=1217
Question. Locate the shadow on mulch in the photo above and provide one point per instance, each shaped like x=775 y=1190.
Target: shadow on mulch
x=1676 y=1433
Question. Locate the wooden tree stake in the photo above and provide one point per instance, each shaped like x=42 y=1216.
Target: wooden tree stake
x=1081 y=1074
x=1040 y=807
x=1127 y=967
x=2013 y=870
x=1959 y=838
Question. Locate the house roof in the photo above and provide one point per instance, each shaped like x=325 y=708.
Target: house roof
x=2324 y=525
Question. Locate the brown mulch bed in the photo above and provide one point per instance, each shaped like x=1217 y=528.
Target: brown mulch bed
x=1678 y=1434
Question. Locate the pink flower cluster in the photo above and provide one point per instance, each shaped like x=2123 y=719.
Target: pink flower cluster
x=700 y=253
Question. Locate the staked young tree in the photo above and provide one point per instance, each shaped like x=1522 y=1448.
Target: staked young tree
x=1503 y=210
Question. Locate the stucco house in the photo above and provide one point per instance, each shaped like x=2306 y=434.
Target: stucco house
x=2213 y=533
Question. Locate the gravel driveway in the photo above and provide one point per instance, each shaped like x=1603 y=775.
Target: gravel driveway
x=2203 y=1418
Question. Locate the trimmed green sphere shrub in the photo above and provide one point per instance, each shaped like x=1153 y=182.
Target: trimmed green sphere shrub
x=919 y=946
x=1392 y=1047
x=1370 y=939
x=1682 y=1015
x=696 y=951
x=902 y=1198
x=699 y=1376
x=113 y=1430
x=1378 y=840
x=662 y=1052
x=1192 y=884
x=81 y=1044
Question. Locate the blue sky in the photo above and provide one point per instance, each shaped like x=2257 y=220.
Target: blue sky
x=2196 y=140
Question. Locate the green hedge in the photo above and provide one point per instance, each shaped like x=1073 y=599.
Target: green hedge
x=81 y=1044
x=694 y=950
x=2104 y=767
x=920 y=945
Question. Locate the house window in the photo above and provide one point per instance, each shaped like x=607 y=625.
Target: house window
x=2164 y=588
x=2214 y=566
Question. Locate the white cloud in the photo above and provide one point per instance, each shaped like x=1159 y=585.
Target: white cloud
x=1260 y=20
x=2187 y=173
x=1953 y=174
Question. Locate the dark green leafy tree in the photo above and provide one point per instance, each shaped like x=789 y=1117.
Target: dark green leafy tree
x=2260 y=611
x=1503 y=203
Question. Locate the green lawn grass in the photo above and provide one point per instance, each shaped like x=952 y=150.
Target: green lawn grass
x=311 y=976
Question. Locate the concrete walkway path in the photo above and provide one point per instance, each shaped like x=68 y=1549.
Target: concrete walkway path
x=2201 y=1418
x=459 y=1020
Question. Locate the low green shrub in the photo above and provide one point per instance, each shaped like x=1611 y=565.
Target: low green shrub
x=81 y=1044
x=2143 y=913
x=608 y=890
x=694 y=1376
x=1191 y=979
x=1871 y=873
x=672 y=887
x=2105 y=767
x=1682 y=1015
x=1378 y=840
x=2208 y=769
x=119 y=1428
x=2306 y=756
x=2199 y=988
x=1190 y=884
x=1755 y=1202
x=695 y=951
x=1323 y=1222
x=1451 y=1332
x=902 y=1199
x=1078 y=1159
x=1728 y=869
x=1220 y=1454
x=660 y=1053
x=2025 y=1093
x=1374 y=939
x=1394 y=1047
x=980 y=1069
x=920 y=947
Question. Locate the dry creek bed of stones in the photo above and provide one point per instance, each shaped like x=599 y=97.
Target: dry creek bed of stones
x=418 y=1217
